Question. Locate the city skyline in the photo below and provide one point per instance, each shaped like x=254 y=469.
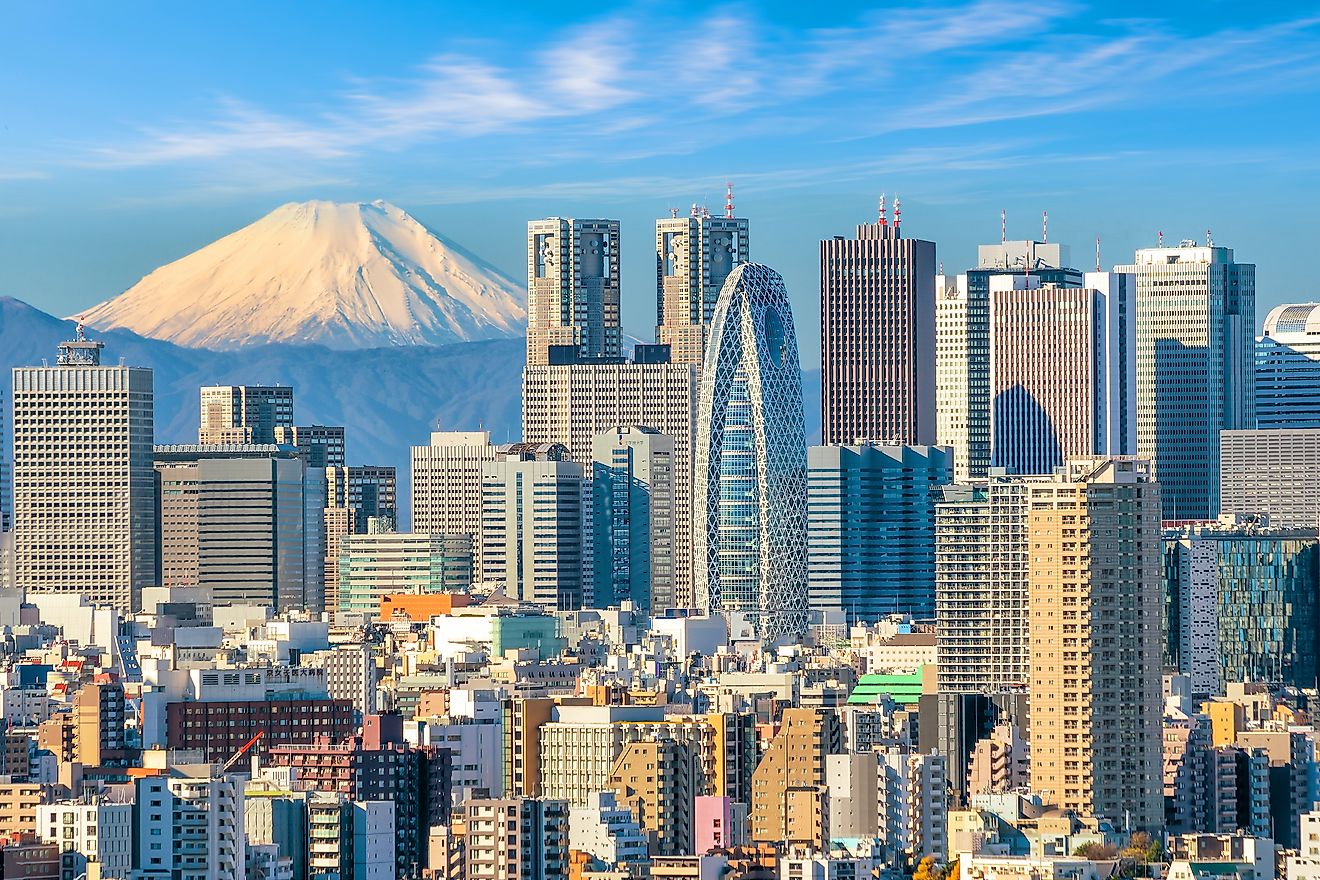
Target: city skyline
x=810 y=119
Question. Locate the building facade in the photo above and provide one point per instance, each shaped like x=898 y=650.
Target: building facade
x=84 y=489
x=322 y=444
x=1094 y=576
x=1288 y=368
x=1275 y=472
x=877 y=336
x=632 y=486
x=1196 y=313
x=871 y=528
x=572 y=289
x=446 y=485
x=750 y=491
x=517 y=838
x=693 y=257
x=1062 y=370
x=381 y=563
x=243 y=413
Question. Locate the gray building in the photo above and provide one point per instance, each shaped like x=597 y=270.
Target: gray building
x=84 y=491
x=632 y=487
x=1271 y=472
x=693 y=256
x=572 y=289
x=322 y=444
x=244 y=522
x=535 y=519
x=871 y=528
x=1196 y=316
x=243 y=413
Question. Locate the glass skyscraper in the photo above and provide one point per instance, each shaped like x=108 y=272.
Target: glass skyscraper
x=751 y=461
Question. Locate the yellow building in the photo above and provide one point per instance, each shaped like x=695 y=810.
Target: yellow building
x=789 y=795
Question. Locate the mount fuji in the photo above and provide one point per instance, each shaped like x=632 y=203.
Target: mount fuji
x=341 y=276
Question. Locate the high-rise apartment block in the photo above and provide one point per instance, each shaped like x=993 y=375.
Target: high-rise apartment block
x=446 y=485
x=517 y=838
x=1288 y=368
x=693 y=255
x=322 y=444
x=244 y=523
x=962 y=333
x=871 y=528
x=573 y=404
x=632 y=486
x=534 y=525
x=750 y=517
x=1062 y=370
x=981 y=596
x=84 y=488
x=877 y=336
x=1094 y=574
x=1196 y=312
x=790 y=800
x=1243 y=604
x=572 y=290
x=244 y=413
x=1275 y=472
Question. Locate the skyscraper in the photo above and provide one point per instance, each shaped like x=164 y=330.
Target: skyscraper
x=1094 y=574
x=243 y=413
x=572 y=289
x=1062 y=371
x=323 y=444
x=84 y=488
x=877 y=336
x=751 y=463
x=573 y=404
x=1288 y=368
x=1196 y=312
x=632 y=486
x=446 y=485
x=871 y=528
x=1273 y=471
x=962 y=334
x=244 y=522
x=693 y=256
x=534 y=522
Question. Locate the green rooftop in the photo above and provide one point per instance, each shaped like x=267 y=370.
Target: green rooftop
x=905 y=690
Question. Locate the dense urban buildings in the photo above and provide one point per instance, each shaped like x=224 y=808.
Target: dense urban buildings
x=750 y=498
x=1196 y=309
x=84 y=488
x=871 y=528
x=877 y=336
x=572 y=290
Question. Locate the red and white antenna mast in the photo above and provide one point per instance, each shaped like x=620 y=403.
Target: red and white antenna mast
x=728 y=200
x=898 y=213
x=884 y=221
x=1097 y=253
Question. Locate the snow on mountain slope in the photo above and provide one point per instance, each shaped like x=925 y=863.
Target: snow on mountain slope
x=345 y=276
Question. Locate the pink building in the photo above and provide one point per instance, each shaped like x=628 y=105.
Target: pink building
x=718 y=822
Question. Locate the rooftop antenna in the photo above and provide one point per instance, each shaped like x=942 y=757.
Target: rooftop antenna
x=1209 y=242
x=884 y=221
x=1044 y=227
x=673 y=213
x=728 y=201
x=1097 y=253
x=1161 y=238
x=1003 y=225
x=898 y=213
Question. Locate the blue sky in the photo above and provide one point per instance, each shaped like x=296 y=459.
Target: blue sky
x=133 y=133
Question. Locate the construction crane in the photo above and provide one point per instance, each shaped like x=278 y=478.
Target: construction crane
x=238 y=755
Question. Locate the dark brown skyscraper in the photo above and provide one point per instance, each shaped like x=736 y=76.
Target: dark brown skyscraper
x=877 y=336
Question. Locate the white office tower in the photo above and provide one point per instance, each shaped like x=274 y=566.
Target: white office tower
x=694 y=255
x=572 y=404
x=572 y=289
x=446 y=486
x=750 y=540
x=1062 y=370
x=243 y=413
x=535 y=520
x=84 y=489
x=962 y=343
x=1288 y=368
x=1196 y=313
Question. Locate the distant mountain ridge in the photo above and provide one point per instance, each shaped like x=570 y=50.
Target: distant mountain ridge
x=344 y=276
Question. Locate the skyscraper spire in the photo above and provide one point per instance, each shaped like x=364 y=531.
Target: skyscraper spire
x=728 y=200
x=898 y=212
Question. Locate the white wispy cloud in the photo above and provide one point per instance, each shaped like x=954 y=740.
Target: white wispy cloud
x=637 y=83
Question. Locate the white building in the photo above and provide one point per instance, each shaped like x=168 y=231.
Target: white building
x=476 y=759
x=1288 y=368
x=190 y=825
x=912 y=805
x=606 y=830
x=828 y=866
x=350 y=674
x=100 y=834
x=446 y=485
x=84 y=489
